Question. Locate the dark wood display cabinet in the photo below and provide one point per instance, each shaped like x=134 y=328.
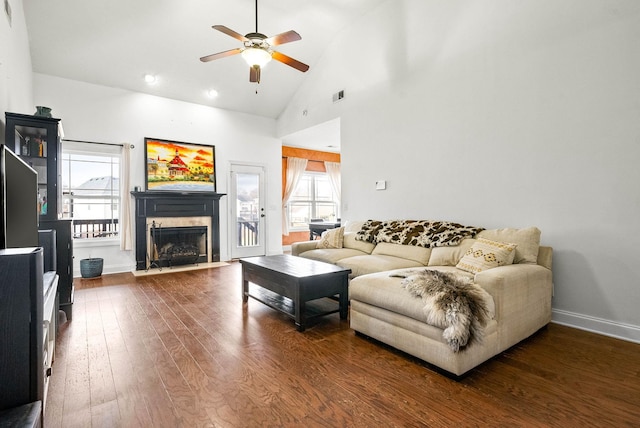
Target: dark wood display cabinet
x=37 y=141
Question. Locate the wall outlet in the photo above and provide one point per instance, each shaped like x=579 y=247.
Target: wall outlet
x=381 y=185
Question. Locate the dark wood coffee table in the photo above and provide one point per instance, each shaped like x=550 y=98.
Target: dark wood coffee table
x=296 y=286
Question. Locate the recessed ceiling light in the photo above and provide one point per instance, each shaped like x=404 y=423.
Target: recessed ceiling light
x=212 y=93
x=150 y=79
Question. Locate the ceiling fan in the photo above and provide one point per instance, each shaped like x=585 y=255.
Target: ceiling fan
x=257 y=50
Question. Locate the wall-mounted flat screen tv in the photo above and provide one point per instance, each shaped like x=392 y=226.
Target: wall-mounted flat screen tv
x=18 y=202
x=178 y=166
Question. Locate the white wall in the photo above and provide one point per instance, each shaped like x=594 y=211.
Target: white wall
x=16 y=93
x=499 y=114
x=102 y=114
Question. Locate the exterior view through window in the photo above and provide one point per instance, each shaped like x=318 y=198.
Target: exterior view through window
x=312 y=199
x=90 y=189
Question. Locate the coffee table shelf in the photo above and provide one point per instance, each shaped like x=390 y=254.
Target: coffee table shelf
x=313 y=308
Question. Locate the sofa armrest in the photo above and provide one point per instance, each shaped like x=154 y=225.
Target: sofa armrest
x=518 y=290
x=522 y=296
x=298 y=248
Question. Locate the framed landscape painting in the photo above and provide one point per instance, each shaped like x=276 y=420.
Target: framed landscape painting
x=178 y=166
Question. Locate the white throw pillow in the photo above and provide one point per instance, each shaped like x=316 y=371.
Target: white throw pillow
x=527 y=239
x=332 y=238
x=485 y=254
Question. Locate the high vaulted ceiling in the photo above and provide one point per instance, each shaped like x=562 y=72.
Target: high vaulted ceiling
x=116 y=42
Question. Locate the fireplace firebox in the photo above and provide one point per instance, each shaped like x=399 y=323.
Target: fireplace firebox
x=171 y=246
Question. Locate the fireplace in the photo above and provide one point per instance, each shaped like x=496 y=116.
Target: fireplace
x=190 y=220
x=172 y=246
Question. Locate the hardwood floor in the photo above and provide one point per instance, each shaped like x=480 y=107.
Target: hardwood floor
x=180 y=350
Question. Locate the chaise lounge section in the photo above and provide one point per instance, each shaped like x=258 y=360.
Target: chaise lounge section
x=517 y=280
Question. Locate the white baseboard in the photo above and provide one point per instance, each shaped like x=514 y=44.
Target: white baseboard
x=602 y=326
x=109 y=269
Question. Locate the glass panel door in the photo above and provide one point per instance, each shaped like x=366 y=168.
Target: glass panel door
x=248 y=213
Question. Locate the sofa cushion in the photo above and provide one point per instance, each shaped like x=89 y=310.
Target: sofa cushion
x=381 y=290
x=331 y=255
x=450 y=256
x=353 y=225
x=384 y=291
x=350 y=241
x=418 y=254
x=331 y=238
x=362 y=265
x=485 y=254
x=527 y=240
x=398 y=324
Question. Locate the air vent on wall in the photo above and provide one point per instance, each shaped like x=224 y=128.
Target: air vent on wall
x=338 y=96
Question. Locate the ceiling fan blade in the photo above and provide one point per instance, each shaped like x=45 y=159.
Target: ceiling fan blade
x=282 y=38
x=220 y=55
x=289 y=61
x=230 y=32
x=254 y=74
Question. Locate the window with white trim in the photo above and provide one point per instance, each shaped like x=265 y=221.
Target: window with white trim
x=313 y=198
x=91 y=189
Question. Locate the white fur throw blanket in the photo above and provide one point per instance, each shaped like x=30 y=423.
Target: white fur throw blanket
x=457 y=305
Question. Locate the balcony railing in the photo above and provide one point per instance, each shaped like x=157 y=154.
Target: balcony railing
x=104 y=228
x=101 y=228
x=247 y=233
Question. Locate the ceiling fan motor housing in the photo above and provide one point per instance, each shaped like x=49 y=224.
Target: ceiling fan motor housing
x=252 y=36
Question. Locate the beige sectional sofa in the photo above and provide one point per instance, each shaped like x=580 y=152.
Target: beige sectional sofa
x=381 y=307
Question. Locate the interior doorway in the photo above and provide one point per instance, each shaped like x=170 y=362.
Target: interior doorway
x=317 y=143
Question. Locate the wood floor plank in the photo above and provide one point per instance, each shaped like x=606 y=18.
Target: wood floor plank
x=181 y=349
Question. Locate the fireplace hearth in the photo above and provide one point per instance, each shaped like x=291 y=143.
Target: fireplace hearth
x=176 y=210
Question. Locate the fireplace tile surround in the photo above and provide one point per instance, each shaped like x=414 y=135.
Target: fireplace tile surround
x=175 y=209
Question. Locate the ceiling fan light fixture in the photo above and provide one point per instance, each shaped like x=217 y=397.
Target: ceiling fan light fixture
x=256 y=56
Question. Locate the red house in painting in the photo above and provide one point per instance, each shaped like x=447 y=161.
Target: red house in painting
x=177 y=167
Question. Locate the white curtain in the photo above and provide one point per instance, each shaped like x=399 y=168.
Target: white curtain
x=295 y=169
x=125 y=199
x=333 y=171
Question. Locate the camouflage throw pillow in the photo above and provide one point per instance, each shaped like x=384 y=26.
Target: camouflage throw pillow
x=369 y=230
x=422 y=233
